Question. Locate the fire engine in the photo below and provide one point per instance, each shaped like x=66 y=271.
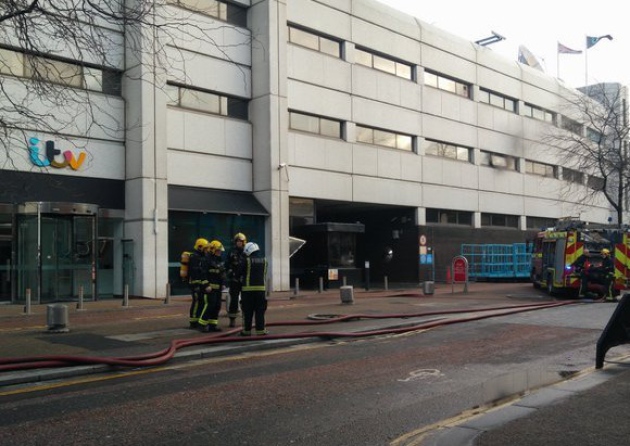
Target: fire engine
x=555 y=250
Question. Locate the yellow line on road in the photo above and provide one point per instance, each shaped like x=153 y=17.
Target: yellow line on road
x=38 y=387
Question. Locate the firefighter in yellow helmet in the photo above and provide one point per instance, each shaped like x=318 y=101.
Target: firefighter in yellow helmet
x=234 y=270
x=209 y=315
x=197 y=279
x=608 y=269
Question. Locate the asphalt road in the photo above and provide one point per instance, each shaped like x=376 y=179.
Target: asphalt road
x=377 y=391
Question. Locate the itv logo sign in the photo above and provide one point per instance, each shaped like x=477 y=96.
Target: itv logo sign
x=50 y=157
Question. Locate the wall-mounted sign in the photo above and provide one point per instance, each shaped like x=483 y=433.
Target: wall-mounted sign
x=51 y=157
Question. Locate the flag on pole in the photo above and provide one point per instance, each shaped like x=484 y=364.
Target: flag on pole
x=566 y=50
x=591 y=41
x=527 y=57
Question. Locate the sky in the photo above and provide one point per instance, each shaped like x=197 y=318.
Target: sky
x=539 y=25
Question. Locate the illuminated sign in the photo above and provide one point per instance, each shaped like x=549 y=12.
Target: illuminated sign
x=50 y=157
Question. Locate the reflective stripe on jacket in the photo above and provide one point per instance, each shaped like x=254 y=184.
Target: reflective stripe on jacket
x=255 y=274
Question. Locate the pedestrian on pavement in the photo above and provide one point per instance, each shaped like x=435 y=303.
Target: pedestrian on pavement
x=197 y=279
x=234 y=266
x=254 y=290
x=209 y=316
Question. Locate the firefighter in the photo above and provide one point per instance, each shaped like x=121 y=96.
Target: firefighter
x=234 y=270
x=253 y=293
x=608 y=269
x=209 y=315
x=582 y=266
x=197 y=279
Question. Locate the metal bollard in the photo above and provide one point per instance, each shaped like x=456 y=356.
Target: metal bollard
x=344 y=280
x=27 y=305
x=94 y=295
x=167 y=299
x=321 y=285
x=57 y=318
x=347 y=294
x=386 y=283
x=80 y=302
x=125 y=302
x=296 y=290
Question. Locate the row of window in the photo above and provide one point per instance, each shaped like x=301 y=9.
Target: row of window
x=228 y=12
x=386 y=138
x=465 y=218
x=331 y=46
x=14 y=63
x=207 y=102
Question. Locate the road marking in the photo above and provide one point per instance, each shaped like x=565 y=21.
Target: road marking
x=38 y=387
x=421 y=374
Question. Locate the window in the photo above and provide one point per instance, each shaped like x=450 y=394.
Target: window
x=595 y=183
x=535 y=168
x=315 y=124
x=540 y=223
x=497 y=161
x=313 y=41
x=369 y=135
x=573 y=176
x=539 y=113
x=449 y=217
x=571 y=125
x=499 y=220
x=446 y=150
x=594 y=135
x=55 y=71
x=497 y=100
x=11 y=62
x=383 y=63
x=208 y=102
x=227 y=12
x=447 y=84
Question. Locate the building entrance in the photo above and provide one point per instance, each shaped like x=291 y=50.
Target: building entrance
x=56 y=251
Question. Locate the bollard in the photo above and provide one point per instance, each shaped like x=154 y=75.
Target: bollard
x=428 y=287
x=94 y=295
x=296 y=290
x=167 y=299
x=80 y=302
x=344 y=281
x=321 y=285
x=125 y=302
x=386 y=283
x=346 y=294
x=27 y=305
x=57 y=318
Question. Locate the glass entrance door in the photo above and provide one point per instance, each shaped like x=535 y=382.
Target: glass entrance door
x=56 y=254
x=6 y=260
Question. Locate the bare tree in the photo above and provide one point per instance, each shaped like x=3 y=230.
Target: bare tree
x=58 y=57
x=593 y=140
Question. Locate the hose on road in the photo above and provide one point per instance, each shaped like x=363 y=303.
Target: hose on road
x=162 y=356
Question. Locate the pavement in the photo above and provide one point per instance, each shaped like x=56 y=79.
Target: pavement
x=590 y=408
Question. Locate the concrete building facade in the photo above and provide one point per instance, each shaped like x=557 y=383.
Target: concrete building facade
x=343 y=122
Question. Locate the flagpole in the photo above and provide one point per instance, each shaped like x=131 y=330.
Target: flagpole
x=586 y=62
x=558 y=63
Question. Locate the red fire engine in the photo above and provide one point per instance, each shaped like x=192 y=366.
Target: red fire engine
x=555 y=251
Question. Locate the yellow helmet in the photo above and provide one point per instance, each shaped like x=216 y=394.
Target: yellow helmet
x=215 y=246
x=240 y=236
x=200 y=243
x=605 y=252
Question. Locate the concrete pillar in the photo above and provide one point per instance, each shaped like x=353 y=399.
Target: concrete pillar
x=146 y=200
x=270 y=131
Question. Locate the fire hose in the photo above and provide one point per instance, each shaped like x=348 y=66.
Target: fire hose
x=162 y=356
